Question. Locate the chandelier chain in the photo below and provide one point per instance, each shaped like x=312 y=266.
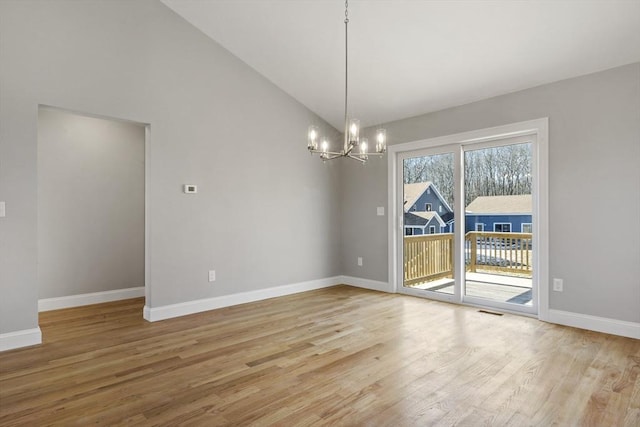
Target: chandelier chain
x=346 y=64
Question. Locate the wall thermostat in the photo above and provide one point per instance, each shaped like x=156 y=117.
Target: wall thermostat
x=190 y=188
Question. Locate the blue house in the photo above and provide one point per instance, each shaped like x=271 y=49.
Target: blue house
x=505 y=214
x=425 y=210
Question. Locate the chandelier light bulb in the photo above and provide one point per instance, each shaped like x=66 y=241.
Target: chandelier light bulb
x=381 y=140
x=324 y=143
x=354 y=130
x=312 y=138
x=364 y=145
x=313 y=133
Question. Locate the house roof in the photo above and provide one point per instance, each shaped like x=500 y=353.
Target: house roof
x=501 y=204
x=412 y=193
x=428 y=216
x=424 y=214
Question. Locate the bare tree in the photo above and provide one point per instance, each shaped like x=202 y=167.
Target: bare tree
x=487 y=172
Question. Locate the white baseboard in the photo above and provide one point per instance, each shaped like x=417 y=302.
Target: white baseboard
x=374 y=285
x=153 y=314
x=595 y=323
x=18 y=339
x=48 y=304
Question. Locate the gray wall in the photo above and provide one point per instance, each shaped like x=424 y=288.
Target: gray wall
x=213 y=121
x=594 y=150
x=90 y=204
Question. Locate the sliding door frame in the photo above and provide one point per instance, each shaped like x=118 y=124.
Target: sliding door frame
x=534 y=130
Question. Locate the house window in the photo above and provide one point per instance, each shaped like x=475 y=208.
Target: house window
x=479 y=226
x=408 y=231
x=428 y=191
x=432 y=229
x=502 y=227
x=440 y=208
x=526 y=227
x=427 y=207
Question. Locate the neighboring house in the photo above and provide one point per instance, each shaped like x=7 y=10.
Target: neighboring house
x=499 y=214
x=425 y=210
x=417 y=223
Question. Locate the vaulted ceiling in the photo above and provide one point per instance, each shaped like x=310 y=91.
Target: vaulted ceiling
x=410 y=57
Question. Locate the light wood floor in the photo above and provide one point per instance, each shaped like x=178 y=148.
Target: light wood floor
x=339 y=356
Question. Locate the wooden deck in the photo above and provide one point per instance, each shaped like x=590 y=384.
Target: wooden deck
x=516 y=290
x=337 y=356
x=429 y=258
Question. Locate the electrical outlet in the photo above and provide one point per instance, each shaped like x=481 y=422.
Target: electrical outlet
x=360 y=261
x=558 y=285
x=212 y=275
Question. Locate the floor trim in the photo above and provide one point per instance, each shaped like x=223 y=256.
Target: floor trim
x=29 y=337
x=48 y=304
x=154 y=314
x=595 y=323
x=359 y=282
x=23 y=338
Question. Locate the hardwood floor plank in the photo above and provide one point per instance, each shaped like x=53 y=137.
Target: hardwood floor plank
x=337 y=356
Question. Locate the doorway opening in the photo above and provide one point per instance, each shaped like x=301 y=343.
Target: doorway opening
x=91 y=209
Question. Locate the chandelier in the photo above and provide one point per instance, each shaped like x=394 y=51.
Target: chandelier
x=320 y=144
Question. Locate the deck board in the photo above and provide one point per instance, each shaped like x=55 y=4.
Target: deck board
x=494 y=287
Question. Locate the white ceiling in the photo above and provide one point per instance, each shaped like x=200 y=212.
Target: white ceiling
x=410 y=57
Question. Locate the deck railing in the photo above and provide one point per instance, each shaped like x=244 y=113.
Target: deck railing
x=506 y=253
x=430 y=257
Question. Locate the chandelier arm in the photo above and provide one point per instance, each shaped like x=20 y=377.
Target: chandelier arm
x=348 y=150
x=352 y=157
x=333 y=153
x=332 y=157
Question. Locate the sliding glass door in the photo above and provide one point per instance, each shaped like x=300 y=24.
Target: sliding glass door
x=498 y=225
x=467 y=218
